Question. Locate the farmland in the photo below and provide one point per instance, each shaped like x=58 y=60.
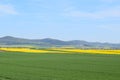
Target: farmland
x=62 y=50
x=30 y=66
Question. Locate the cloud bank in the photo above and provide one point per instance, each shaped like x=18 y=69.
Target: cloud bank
x=7 y=9
x=113 y=12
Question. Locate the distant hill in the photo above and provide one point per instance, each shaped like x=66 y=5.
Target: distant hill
x=48 y=42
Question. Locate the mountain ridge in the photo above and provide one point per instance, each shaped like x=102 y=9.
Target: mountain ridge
x=49 y=42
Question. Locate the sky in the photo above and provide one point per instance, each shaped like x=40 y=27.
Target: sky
x=90 y=20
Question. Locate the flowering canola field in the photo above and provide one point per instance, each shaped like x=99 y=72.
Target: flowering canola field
x=95 y=51
x=22 y=50
x=61 y=50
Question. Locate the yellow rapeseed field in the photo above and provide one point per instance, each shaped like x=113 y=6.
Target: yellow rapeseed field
x=62 y=50
x=23 y=50
x=95 y=51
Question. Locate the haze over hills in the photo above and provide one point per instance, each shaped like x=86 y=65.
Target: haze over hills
x=48 y=42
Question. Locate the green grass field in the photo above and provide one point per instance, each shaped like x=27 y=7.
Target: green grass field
x=28 y=66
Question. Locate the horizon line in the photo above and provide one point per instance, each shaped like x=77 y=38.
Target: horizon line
x=59 y=39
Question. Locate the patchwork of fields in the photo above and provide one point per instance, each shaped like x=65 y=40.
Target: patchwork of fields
x=25 y=66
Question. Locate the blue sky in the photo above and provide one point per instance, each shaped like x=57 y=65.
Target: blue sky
x=90 y=20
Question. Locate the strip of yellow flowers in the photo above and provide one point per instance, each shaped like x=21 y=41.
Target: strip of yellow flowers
x=95 y=51
x=23 y=50
x=61 y=50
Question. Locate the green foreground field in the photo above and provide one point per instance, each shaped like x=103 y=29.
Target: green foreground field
x=28 y=66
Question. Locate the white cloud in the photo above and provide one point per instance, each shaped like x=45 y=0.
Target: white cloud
x=7 y=9
x=109 y=1
x=110 y=27
x=97 y=14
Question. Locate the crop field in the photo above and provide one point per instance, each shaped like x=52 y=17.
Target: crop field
x=30 y=66
x=62 y=50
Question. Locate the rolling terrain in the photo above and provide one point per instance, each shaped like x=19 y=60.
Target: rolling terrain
x=48 y=42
